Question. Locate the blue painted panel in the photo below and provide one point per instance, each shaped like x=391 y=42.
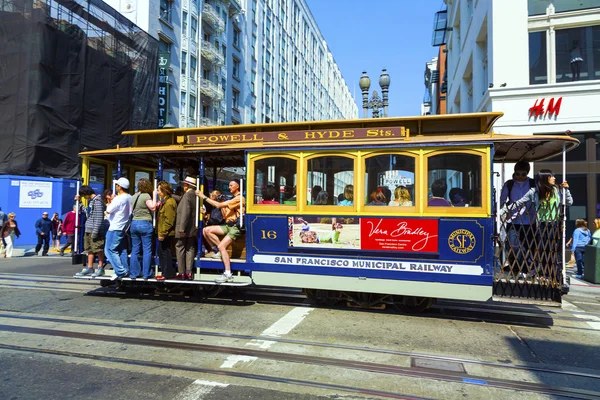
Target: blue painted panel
x=63 y=192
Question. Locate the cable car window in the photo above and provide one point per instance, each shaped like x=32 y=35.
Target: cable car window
x=275 y=181
x=330 y=181
x=454 y=180
x=389 y=180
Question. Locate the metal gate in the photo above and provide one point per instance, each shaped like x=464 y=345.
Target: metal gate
x=529 y=253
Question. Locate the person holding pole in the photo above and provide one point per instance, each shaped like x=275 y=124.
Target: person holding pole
x=186 y=230
x=231 y=230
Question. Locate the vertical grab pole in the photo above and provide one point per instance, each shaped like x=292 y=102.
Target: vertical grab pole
x=76 y=243
x=119 y=171
x=199 y=225
x=241 y=208
x=564 y=217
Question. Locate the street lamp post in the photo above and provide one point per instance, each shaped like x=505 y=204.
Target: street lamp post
x=375 y=103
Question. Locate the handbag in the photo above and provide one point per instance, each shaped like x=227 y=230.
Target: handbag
x=127 y=228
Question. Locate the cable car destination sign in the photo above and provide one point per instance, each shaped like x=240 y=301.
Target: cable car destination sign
x=301 y=136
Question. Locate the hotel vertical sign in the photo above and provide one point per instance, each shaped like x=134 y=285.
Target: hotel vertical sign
x=163 y=88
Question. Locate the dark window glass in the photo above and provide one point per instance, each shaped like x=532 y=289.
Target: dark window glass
x=454 y=179
x=327 y=178
x=597 y=196
x=578 y=189
x=578 y=54
x=537 y=7
x=577 y=154
x=275 y=173
x=537 y=58
x=386 y=173
x=573 y=5
x=597 y=144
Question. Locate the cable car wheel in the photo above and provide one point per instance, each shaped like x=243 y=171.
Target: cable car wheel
x=323 y=297
x=413 y=304
x=207 y=291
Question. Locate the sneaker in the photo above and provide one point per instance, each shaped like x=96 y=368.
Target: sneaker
x=224 y=278
x=99 y=272
x=579 y=276
x=216 y=256
x=62 y=253
x=114 y=277
x=210 y=254
x=85 y=272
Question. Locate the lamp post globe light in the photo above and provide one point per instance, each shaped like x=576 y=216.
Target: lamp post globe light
x=375 y=103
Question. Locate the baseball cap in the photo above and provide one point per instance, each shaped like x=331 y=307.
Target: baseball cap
x=123 y=182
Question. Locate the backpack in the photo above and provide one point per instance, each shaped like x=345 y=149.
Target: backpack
x=216 y=217
x=511 y=182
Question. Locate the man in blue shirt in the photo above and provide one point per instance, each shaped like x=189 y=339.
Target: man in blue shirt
x=519 y=222
x=43 y=229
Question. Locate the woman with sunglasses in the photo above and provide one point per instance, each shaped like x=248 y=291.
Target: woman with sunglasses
x=8 y=233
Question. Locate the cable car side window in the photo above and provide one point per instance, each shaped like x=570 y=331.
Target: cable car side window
x=454 y=180
x=275 y=180
x=389 y=181
x=330 y=181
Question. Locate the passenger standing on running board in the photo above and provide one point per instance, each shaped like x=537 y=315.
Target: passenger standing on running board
x=185 y=230
x=118 y=214
x=231 y=231
x=94 y=235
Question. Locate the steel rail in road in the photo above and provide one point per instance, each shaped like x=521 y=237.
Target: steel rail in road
x=420 y=373
x=177 y=367
x=139 y=326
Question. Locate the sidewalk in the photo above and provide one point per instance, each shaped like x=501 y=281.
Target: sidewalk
x=29 y=250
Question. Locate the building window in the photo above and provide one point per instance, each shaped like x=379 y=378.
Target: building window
x=192 y=109
x=184 y=24
x=182 y=104
x=165 y=10
x=268 y=94
x=254 y=46
x=194 y=31
x=164 y=47
x=183 y=62
x=193 y=66
x=205 y=111
x=235 y=98
x=253 y=83
x=578 y=54
x=236 y=68
x=236 y=37
x=268 y=61
x=205 y=73
x=538 y=71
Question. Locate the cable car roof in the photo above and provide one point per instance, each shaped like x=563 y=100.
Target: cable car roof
x=434 y=130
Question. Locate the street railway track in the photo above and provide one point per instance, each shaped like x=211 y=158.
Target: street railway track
x=411 y=372
x=507 y=313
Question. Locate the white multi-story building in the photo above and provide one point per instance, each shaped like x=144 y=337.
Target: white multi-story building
x=538 y=62
x=242 y=61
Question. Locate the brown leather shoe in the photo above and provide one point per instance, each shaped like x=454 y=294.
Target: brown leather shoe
x=180 y=277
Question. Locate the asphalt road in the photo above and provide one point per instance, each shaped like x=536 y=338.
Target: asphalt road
x=62 y=338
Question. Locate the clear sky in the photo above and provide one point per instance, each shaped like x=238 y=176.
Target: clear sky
x=368 y=35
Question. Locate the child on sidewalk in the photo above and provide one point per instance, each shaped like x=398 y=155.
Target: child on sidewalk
x=581 y=238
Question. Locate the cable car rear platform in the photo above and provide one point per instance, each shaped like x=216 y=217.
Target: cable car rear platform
x=205 y=279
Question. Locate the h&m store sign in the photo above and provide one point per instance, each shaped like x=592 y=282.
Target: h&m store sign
x=542 y=110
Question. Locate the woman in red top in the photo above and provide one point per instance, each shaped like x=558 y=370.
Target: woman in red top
x=68 y=230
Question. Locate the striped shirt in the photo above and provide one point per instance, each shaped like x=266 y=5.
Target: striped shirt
x=95 y=216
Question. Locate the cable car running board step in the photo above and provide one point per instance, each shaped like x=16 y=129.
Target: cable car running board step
x=246 y=280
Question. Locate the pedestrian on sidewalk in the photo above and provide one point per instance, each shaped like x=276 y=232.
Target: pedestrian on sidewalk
x=116 y=243
x=94 y=233
x=68 y=230
x=43 y=229
x=3 y=217
x=56 y=231
x=581 y=238
x=8 y=233
x=596 y=235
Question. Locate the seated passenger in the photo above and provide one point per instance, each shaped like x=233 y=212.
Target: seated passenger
x=289 y=195
x=348 y=196
x=438 y=192
x=401 y=197
x=308 y=236
x=230 y=231
x=269 y=194
x=315 y=192
x=377 y=198
x=458 y=197
x=322 y=199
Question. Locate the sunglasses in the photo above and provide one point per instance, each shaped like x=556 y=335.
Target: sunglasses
x=520 y=173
